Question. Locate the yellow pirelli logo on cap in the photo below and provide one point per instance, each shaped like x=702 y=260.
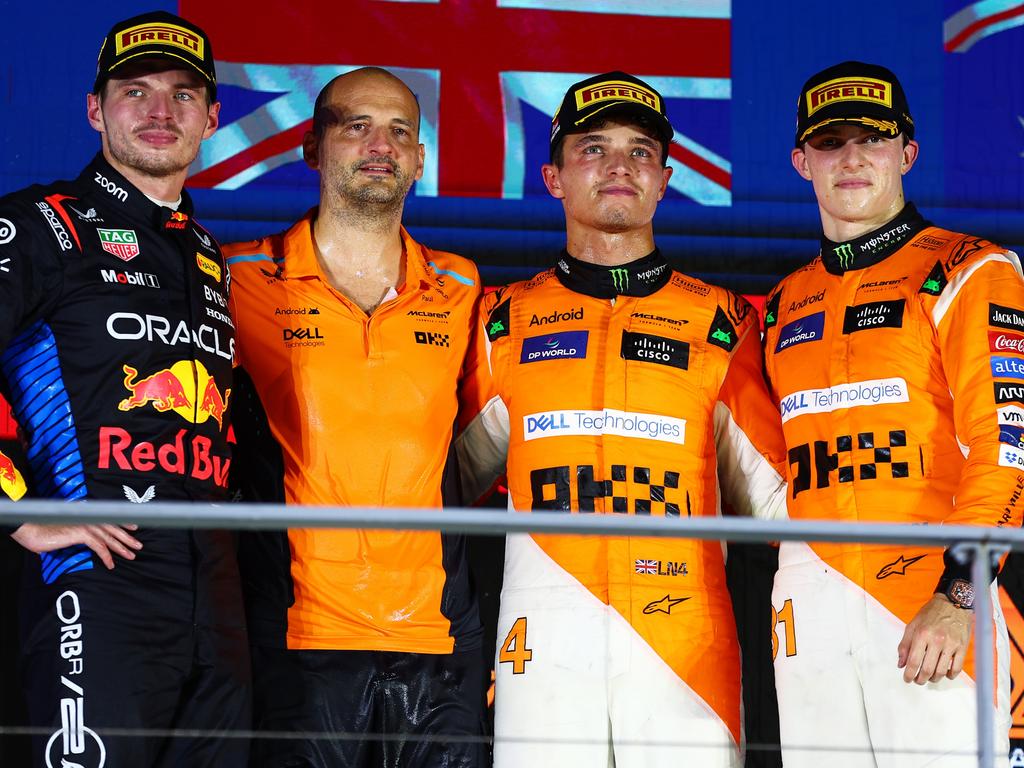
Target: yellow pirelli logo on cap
x=169 y=34
x=616 y=90
x=849 y=89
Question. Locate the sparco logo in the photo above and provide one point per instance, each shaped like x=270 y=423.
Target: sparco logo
x=56 y=226
x=119 y=192
x=130 y=278
x=558 y=317
x=73 y=738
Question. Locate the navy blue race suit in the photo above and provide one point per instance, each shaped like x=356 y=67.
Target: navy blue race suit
x=117 y=352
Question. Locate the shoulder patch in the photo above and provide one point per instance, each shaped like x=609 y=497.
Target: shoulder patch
x=737 y=307
x=771 y=310
x=936 y=281
x=722 y=333
x=498 y=320
x=966 y=247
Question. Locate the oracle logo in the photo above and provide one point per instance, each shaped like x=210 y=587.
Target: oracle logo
x=1006 y=342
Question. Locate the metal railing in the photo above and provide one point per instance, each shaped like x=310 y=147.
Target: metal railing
x=975 y=543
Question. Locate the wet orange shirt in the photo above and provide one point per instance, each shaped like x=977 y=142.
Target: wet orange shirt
x=363 y=408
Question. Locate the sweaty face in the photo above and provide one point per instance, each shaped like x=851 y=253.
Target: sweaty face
x=152 y=120
x=369 y=153
x=611 y=177
x=857 y=174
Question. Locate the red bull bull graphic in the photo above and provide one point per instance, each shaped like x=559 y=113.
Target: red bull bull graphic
x=177 y=389
x=11 y=481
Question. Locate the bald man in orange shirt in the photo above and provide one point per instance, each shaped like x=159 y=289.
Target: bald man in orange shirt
x=355 y=338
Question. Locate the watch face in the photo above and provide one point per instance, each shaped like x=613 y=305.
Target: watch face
x=961 y=593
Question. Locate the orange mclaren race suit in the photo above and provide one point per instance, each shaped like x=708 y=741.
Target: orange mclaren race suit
x=638 y=391
x=896 y=361
x=346 y=408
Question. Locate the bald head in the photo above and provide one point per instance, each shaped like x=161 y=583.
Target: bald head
x=341 y=89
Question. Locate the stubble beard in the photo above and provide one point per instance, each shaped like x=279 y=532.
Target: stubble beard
x=371 y=202
x=150 y=163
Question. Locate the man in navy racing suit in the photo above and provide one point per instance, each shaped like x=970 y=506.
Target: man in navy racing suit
x=116 y=358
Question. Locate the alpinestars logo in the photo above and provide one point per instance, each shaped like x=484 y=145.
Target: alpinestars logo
x=898 y=567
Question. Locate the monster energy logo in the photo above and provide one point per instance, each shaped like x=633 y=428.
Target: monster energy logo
x=844 y=253
x=620 y=279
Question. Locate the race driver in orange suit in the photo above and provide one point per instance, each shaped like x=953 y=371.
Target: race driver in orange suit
x=897 y=360
x=620 y=386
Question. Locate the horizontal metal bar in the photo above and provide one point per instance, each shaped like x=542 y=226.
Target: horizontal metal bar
x=167 y=514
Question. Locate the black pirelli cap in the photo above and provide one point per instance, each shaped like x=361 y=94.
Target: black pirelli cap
x=853 y=93
x=613 y=93
x=157 y=34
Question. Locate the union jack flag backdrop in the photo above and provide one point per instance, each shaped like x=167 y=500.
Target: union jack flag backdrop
x=489 y=74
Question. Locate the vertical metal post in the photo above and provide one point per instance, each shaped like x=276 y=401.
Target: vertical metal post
x=984 y=657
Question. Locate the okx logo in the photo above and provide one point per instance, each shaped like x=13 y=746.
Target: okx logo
x=432 y=339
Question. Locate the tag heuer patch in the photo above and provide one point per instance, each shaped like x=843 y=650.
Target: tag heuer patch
x=122 y=243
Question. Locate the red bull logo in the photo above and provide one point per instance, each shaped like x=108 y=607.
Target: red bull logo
x=118 y=447
x=11 y=481
x=186 y=388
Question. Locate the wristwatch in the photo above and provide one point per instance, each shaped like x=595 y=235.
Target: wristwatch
x=960 y=593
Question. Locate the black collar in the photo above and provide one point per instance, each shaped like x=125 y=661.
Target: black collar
x=874 y=246
x=638 y=278
x=110 y=186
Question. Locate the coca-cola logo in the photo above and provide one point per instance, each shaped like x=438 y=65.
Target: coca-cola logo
x=1006 y=342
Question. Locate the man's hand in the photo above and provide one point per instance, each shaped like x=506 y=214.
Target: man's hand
x=935 y=642
x=105 y=540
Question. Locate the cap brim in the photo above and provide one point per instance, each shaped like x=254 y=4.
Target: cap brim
x=612 y=108
x=176 y=60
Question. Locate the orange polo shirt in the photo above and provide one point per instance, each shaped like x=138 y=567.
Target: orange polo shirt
x=362 y=407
